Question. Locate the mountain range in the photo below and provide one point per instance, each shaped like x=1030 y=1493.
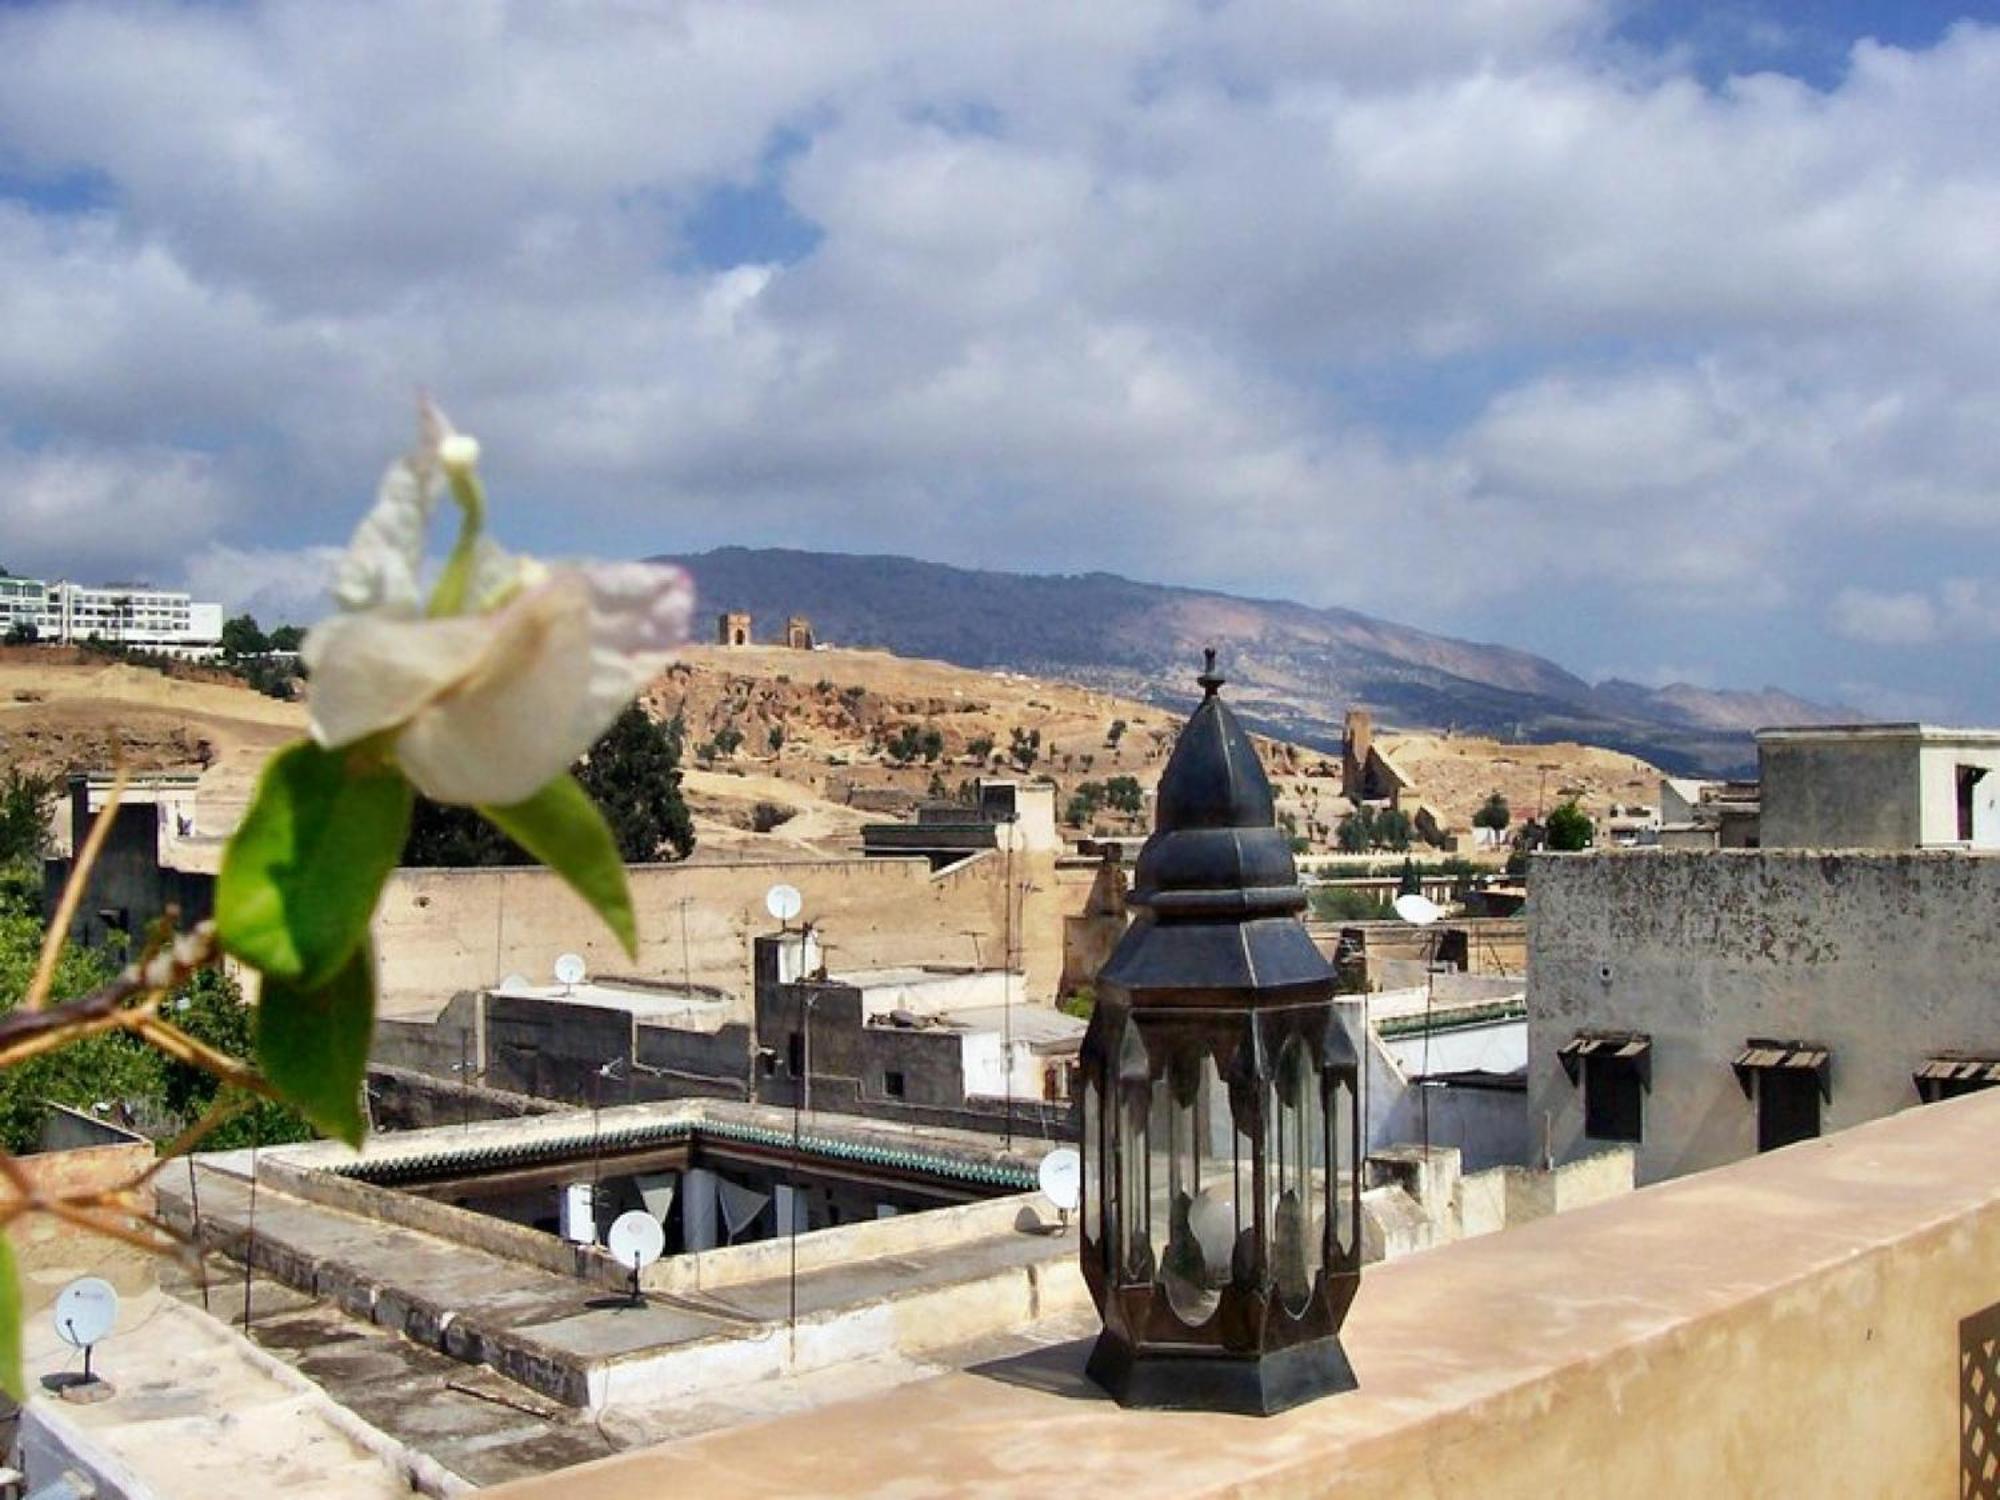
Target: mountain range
x=1294 y=670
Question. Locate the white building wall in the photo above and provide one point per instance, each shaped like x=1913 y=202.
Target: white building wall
x=1886 y=958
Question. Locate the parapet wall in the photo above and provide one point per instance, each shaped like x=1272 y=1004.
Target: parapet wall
x=1805 y=1323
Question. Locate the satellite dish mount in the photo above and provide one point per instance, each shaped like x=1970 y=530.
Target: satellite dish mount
x=570 y=971
x=84 y=1313
x=636 y=1240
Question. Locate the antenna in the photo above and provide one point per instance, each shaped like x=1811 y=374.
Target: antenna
x=1420 y=911
x=1061 y=1179
x=84 y=1313
x=635 y=1241
x=570 y=970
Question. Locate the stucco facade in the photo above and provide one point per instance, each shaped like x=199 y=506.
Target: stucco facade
x=1880 y=786
x=1885 y=960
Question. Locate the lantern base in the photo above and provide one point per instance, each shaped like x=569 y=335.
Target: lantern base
x=1260 y=1386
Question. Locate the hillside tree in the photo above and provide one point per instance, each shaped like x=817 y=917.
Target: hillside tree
x=1569 y=828
x=633 y=773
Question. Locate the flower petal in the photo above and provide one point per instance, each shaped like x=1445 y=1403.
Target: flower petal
x=518 y=719
x=371 y=672
x=639 y=615
x=381 y=566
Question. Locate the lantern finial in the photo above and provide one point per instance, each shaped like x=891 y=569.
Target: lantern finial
x=1210 y=679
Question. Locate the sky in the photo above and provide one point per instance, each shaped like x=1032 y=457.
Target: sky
x=1660 y=338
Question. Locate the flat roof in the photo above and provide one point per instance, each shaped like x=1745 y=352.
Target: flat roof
x=1938 y=733
x=1041 y=1025
x=667 y=1006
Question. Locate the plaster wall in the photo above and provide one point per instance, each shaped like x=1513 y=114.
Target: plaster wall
x=1885 y=958
x=439 y=932
x=1839 y=794
x=1938 y=766
x=1488 y=1127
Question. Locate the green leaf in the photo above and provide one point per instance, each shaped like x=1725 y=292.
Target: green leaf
x=300 y=877
x=563 y=829
x=312 y=1043
x=11 y=1379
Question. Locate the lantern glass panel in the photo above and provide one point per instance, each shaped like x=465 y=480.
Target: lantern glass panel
x=1135 y=1261
x=1341 y=1178
x=1298 y=1178
x=1093 y=1162
x=1200 y=1248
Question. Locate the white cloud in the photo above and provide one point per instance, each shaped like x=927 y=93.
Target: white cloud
x=277 y=586
x=1961 y=609
x=74 y=510
x=1424 y=309
x=1884 y=619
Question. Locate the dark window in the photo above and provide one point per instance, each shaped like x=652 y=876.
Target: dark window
x=1787 y=1107
x=1612 y=1108
x=795 y=1054
x=892 y=1084
x=1969 y=777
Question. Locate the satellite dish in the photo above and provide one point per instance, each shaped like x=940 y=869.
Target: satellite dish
x=515 y=984
x=570 y=969
x=783 y=902
x=85 y=1311
x=1061 y=1178
x=1418 y=911
x=635 y=1239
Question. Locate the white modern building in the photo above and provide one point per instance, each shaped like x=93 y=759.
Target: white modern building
x=63 y=613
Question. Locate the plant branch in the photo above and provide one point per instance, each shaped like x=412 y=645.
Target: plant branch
x=72 y=896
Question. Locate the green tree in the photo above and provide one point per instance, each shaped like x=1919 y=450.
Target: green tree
x=27 y=801
x=1356 y=831
x=111 y=1069
x=633 y=773
x=1570 y=828
x=775 y=738
x=979 y=747
x=211 y=1009
x=1115 y=733
x=1408 y=884
x=1025 y=748
x=241 y=637
x=931 y=745
x=1392 y=829
x=1125 y=794
x=1494 y=813
x=23 y=633
x=1341 y=904
x=1084 y=803
x=287 y=638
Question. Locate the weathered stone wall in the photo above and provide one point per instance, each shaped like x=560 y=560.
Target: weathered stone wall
x=442 y=931
x=1839 y=794
x=1885 y=958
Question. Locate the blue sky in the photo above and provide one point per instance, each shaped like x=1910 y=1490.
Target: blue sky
x=1655 y=337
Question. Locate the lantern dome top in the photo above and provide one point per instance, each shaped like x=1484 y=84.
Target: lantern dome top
x=1216 y=848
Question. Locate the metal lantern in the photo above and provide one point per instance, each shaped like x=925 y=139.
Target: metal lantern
x=1221 y=1110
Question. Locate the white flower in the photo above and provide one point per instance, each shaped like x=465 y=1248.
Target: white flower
x=489 y=705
